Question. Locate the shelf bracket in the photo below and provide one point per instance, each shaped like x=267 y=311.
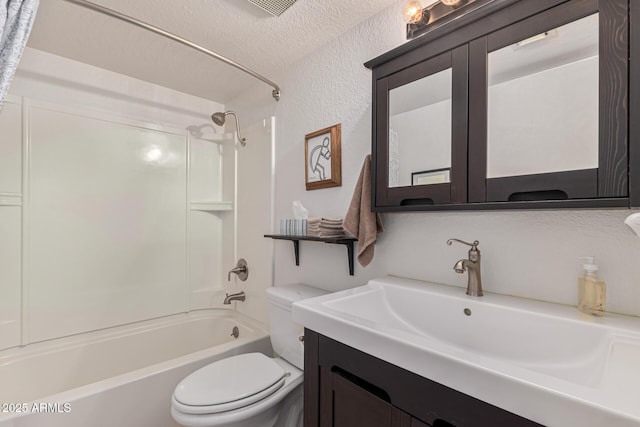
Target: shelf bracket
x=296 y=250
x=349 y=245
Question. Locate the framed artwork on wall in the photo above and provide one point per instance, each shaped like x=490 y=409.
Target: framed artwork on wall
x=323 y=159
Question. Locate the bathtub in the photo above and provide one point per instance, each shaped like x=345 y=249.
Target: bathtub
x=120 y=377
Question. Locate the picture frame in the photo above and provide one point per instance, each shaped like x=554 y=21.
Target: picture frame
x=323 y=158
x=434 y=176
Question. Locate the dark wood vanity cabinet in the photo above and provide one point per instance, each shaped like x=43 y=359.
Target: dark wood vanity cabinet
x=535 y=115
x=344 y=387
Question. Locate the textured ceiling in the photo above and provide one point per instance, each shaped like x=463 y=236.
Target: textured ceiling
x=236 y=29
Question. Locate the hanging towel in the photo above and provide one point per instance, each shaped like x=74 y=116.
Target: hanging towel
x=360 y=221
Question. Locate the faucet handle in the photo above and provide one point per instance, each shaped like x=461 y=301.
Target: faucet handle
x=241 y=269
x=474 y=245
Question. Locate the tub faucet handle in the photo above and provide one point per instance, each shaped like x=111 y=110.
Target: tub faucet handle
x=241 y=269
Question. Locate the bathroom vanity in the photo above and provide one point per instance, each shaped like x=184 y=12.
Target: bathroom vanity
x=345 y=387
x=412 y=353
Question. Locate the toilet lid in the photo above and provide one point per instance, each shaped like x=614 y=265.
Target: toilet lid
x=243 y=379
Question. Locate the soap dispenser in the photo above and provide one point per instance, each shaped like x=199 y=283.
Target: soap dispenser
x=591 y=291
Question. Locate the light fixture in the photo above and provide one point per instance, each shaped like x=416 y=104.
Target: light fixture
x=419 y=19
x=412 y=12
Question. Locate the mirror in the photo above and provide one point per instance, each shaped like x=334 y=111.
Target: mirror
x=420 y=131
x=543 y=102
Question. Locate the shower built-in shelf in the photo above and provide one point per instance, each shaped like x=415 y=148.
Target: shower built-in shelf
x=346 y=241
x=211 y=206
x=10 y=199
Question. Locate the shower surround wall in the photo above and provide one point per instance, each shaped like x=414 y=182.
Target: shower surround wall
x=112 y=203
x=531 y=254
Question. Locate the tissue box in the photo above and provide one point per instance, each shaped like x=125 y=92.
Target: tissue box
x=293 y=227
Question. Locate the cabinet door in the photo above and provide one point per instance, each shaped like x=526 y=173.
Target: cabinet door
x=347 y=404
x=548 y=119
x=420 y=141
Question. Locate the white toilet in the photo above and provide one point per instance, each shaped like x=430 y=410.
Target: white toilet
x=251 y=390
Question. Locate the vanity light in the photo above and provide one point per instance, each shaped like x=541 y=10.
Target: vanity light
x=418 y=19
x=412 y=12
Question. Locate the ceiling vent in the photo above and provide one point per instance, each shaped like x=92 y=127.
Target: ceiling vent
x=274 y=7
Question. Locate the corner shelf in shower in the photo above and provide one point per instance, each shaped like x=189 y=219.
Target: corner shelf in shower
x=210 y=206
x=345 y=240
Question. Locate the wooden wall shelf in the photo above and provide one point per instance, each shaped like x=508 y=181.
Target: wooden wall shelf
x=346 y=241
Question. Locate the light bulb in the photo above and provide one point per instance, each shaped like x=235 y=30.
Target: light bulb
x=412 y=12
x=450 y=2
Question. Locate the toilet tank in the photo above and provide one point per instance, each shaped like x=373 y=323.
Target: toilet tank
x=284 y=331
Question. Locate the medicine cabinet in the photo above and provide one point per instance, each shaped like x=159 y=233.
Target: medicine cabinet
x=514 y=104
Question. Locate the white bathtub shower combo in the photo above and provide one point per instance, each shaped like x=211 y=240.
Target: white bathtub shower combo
x=251 y=390
x=122 y=376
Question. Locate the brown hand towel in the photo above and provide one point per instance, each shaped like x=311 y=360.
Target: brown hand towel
x=360 y=221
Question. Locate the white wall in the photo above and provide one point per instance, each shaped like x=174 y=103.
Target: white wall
x=110 y=191
x=526 y=253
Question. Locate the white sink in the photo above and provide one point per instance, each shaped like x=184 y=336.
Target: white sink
x=546 y=362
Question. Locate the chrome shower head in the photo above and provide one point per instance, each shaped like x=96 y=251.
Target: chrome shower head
x=219 y=118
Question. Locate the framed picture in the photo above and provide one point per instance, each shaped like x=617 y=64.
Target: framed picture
x=323 y=159
x=435 y=176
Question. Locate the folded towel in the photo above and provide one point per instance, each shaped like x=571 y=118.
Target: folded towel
x=325 y=227
x=325 y=233
x=330 y=227
x=359 y=220
x=331 y=221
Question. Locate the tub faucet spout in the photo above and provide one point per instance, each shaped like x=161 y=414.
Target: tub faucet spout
x=238 y=296
x=471 y=266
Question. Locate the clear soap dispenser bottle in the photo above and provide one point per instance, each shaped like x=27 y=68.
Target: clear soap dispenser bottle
x=591 y=291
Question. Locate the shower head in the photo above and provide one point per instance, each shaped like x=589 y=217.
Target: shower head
x=219 y=118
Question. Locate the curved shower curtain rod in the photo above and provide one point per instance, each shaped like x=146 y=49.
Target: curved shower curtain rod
x=121 y=16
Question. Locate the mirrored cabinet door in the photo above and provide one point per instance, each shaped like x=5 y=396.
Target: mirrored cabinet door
x=421 y=132
x=555 y=111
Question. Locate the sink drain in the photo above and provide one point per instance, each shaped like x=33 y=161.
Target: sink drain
x=467 y=312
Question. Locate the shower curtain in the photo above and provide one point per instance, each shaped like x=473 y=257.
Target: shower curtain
x=16 y=20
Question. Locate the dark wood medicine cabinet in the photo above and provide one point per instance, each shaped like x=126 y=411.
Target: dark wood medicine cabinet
x=514 y=104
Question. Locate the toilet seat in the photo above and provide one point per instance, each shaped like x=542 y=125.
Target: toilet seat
x=229 y=384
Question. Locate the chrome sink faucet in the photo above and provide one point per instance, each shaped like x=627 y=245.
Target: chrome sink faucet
x=471 y=266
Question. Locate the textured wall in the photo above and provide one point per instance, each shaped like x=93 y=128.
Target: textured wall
x=526 y=253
